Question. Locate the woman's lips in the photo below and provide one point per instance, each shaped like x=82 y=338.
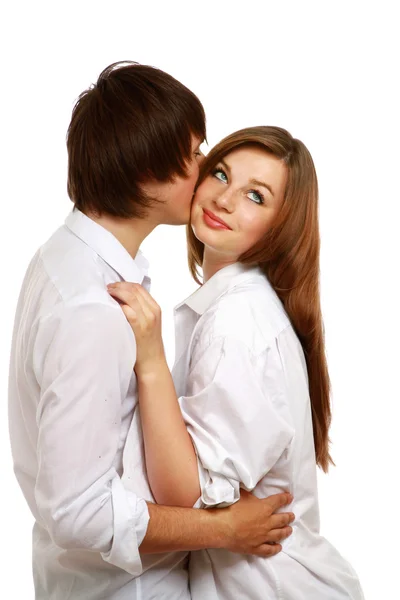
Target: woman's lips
x=213 y=221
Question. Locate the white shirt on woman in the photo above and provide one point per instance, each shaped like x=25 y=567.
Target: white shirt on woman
x=72 y=400
x=241 y=376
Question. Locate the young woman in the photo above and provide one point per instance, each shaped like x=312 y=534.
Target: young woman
x=251 y=408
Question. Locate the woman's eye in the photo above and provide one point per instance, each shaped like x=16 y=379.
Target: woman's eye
x=255 y=197
x=219 y=174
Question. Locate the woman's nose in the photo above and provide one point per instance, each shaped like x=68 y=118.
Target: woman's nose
x=225 y=201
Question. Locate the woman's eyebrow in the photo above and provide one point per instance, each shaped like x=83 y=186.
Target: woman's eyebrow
x=257 y=182
x=227 y=167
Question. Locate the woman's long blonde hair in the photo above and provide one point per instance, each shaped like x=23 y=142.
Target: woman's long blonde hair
x=288 y=254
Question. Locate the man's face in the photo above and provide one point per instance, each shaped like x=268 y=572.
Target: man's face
x=176 y=197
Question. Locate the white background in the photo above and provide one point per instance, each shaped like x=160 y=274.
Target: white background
x=326 y=71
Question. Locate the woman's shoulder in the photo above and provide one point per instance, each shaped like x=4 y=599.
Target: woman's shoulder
x=250 y=312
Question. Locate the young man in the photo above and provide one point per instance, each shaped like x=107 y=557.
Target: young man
x=133 y=147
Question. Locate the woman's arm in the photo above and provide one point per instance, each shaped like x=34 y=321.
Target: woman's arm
x=236 y=407
x=171 y=460
x=170 y=456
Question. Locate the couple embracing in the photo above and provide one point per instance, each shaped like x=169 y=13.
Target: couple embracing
x=201 y=483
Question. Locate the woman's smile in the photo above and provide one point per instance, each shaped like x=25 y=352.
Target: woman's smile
x=213 y=221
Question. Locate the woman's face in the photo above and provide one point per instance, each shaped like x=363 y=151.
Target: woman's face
x=238 y=201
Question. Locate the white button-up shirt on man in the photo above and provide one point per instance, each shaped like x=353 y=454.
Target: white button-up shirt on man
x=242 y=380
x=72 y=400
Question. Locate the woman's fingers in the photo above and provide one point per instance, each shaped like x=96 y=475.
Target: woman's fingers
x=122 y=285
x=131 y=316
x=142 y=312
x=152 y=316
x=127 y=291
x=148 y=298
x=129 y=304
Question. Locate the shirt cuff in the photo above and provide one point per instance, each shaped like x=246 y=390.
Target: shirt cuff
x=131 y=518
x=216 y=490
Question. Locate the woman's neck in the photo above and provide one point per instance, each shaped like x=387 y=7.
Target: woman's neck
x=213 y=262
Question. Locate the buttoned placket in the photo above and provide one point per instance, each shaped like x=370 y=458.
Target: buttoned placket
x=186 y=320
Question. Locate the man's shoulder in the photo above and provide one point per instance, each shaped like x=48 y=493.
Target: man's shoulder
x=74 y=269
x=66 y=277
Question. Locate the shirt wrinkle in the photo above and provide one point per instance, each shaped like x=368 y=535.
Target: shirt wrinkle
x=72 y=411
x=243 y=390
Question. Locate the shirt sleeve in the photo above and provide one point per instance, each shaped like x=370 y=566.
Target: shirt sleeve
x=83 y=361
x=235 y=412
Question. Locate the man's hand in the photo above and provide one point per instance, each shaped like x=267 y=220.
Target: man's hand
x=252 y=527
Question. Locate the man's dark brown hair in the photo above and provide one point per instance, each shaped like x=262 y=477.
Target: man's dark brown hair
x=134 y=125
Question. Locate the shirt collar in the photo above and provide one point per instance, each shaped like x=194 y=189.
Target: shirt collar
x=223 y=281
x=106 y=245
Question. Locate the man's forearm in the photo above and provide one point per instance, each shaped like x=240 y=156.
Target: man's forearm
x=172 y=528
x=247 y=527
